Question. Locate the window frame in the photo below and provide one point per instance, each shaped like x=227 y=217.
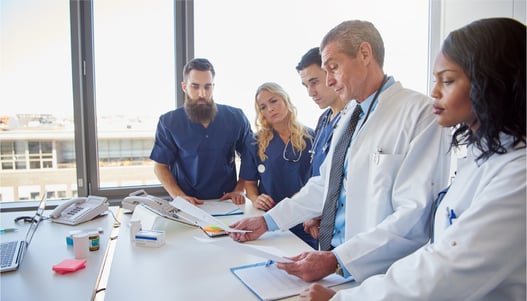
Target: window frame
x=85 y=117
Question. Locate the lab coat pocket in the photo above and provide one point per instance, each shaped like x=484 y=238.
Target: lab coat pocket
x=383 y=169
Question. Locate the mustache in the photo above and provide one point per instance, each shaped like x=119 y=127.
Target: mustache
x=201 y=99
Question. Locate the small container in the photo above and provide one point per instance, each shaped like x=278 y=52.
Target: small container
x=135 y=226
x=80 y=245
x=94 y=241
x=150 y=238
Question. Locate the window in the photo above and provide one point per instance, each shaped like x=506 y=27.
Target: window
x=134 y=85
x=51 y=139
x=95 y=136
x=87 y=80
x=266 y=41
x=35 y=79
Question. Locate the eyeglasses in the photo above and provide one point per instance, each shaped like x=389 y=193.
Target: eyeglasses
x=292 y=154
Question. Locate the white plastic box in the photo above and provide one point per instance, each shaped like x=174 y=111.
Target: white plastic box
x=150 y=238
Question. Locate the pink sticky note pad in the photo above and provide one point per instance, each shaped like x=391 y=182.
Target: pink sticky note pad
x=69 y=265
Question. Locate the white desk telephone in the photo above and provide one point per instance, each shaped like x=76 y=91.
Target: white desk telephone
x=157 y=205
x=79 y=210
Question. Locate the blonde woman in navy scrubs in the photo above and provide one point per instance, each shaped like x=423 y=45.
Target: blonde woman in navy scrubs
x=281 y=158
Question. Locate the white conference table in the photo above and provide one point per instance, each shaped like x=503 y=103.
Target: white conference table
x=35 y=279
x=185 y=268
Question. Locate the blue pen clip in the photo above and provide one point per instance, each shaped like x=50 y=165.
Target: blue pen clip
x=451 y=215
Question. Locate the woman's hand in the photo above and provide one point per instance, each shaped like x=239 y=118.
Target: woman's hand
x=264 y=202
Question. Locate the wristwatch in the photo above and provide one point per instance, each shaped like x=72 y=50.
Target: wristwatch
x=339 y=271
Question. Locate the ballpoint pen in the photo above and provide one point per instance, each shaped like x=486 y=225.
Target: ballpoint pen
x=451 y=215
x=6 y=230
x=377 y=155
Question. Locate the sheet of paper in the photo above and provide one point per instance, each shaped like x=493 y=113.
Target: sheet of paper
x=271 y=283
x=217 y=207
x=265 y=252
x=204 y=218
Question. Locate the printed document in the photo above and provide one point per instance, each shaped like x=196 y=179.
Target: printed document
x=265 y=252
x=217 y=207
x=203 y=217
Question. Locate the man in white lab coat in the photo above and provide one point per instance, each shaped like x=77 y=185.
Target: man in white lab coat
x=479 y=241
x=396 y=163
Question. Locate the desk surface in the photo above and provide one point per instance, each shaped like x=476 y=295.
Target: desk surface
x=35 y=280
x=185 y=268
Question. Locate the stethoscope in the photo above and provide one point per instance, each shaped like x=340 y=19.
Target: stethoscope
x=384 y=80
x=326 y=120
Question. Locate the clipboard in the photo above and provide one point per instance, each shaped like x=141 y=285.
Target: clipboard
x=267 y=282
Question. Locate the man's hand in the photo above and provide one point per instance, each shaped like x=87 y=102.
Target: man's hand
x=317 y=292
x=310 y=266
x=237 y=197
x=257 y=225
x=312 y=227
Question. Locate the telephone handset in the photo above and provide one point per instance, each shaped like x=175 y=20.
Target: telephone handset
x=79 y=210
x=157 y=205
x=141 y=197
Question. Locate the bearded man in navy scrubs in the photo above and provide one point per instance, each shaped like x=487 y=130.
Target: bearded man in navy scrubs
x=195 y=146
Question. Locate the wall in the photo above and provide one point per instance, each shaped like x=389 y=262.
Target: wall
x=448 y=15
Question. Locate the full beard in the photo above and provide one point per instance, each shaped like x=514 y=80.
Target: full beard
x=200 y=112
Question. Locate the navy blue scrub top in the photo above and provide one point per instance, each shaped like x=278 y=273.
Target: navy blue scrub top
x=283 y=174
x=322 y=141
x=279 y=177
x=202 y=160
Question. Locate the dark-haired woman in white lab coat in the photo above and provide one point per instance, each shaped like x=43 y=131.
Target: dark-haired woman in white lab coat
x=478 y=245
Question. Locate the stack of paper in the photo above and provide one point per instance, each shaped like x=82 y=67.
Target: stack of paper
x=201 y=217
x=220 y=208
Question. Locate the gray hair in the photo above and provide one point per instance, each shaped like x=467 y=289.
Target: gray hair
x=350 y=34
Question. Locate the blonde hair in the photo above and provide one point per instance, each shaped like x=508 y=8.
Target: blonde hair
x=264 y=130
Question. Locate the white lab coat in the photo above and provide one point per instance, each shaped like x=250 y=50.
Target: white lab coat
x=389 y=192
x=481 y=256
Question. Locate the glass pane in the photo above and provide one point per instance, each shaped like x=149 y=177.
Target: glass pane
x=135 y=83
x=279 y=37
x=36 y=99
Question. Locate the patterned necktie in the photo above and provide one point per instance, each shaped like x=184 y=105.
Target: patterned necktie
x=335 y=182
